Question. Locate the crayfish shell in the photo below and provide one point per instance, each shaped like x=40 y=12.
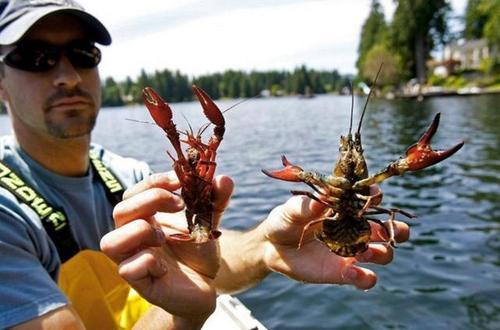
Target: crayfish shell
x=346 y=238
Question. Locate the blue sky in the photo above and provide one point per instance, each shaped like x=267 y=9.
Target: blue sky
x=206 y=36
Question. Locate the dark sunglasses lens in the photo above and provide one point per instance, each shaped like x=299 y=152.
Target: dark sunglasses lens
x=84 y=56
x=32 y=59
x=38 y=58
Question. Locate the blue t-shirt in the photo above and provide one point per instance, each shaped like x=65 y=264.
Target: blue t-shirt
x=29 y=262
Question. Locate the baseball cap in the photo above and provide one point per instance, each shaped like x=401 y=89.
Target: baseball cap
x=17 y=17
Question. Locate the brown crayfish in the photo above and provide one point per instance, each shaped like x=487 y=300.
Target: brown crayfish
x=195 y=169
x=346 y=192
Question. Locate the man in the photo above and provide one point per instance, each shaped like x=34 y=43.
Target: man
x=55 y=208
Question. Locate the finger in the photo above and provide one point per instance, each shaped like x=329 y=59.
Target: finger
x=379 y=234
x=141 y=267
x=125 y=241
x=380 y=254
x=167 y=180
x=300 y=209
x=223 y=189
x=145 y=204
x=359 y=277
x=376 y=193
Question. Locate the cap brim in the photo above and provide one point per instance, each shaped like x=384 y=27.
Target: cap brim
x=18 y=28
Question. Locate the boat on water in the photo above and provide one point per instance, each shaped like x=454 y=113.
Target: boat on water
x=231 y=313
x=308 y=93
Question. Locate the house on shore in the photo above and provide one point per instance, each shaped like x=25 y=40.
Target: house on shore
x=465 y=55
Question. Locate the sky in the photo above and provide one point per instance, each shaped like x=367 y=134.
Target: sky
x=205 y=36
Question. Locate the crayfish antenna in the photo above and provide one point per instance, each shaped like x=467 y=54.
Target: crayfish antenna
x=207 y=125
x=189 y=125
x=352 y=108
x=368 y=98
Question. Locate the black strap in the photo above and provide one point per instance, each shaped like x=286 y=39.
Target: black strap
x=54 y=219
x=114 y=188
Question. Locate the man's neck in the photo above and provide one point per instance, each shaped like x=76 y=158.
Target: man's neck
x=68 y=157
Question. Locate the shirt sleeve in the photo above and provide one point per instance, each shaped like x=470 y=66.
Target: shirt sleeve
x=28 y=269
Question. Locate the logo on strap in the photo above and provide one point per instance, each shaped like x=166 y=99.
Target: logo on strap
x=50 y=216
x=54 y=220
x=107 y=177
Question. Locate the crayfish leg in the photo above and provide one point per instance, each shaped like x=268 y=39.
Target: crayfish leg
x=334 y=201
x=386 y=230
x=370 y=200
x=306 y=228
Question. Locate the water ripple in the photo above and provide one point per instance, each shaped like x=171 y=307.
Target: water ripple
x=446 y=277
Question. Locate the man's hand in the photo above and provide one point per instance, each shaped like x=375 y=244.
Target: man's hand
x=314 y=262
x=176 y=276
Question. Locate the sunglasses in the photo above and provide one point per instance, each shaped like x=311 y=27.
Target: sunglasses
x=37 y=56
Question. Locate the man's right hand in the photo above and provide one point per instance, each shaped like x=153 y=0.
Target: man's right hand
x=177 y=277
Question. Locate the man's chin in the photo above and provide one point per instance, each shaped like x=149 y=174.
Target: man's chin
x=71 y=131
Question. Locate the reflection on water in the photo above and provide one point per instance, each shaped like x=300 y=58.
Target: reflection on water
x=446 y=277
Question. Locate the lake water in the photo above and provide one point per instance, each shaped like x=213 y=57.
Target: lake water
x=446 y=277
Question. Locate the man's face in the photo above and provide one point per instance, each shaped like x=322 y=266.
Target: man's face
x=60 y=103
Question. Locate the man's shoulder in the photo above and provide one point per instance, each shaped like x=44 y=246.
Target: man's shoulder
x=6 y=145
x=128 y=169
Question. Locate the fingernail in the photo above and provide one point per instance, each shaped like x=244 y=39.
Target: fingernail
x=351 y=273
x=163 y=265
x=160 y=235
x=382 y=232
x=178 y=201
x=365 y=256
x=396 y=230
x=171 y=175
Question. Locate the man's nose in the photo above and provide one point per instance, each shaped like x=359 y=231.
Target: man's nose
x=65 y=74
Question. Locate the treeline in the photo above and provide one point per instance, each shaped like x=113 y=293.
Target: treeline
x=176 y=87
x=417 y=28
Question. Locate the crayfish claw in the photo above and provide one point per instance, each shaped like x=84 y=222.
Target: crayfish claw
x=158 y=108
x=214 y=234
x=289 y=173
x=421 y=155
x=210 y=109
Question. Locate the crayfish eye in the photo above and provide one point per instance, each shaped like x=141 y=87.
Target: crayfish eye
x=344 y=143
x=193 y=155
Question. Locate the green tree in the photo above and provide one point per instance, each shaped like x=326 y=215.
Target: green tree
x=174 y=86
x=475 y=19
x=417 y=27
x=380 y=55
x=491 y=30
x=373 y=31
x=482 y=20
x=111 y=94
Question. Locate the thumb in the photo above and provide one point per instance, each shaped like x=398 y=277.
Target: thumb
x=301 y=210
x=286 y=222
x=223 y=189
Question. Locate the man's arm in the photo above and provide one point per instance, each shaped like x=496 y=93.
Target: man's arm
x=247 y=257
x=181 y=278
x=61 y=318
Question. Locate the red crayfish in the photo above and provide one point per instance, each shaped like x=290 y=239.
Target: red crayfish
x=346 y=192
x=195 y=169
